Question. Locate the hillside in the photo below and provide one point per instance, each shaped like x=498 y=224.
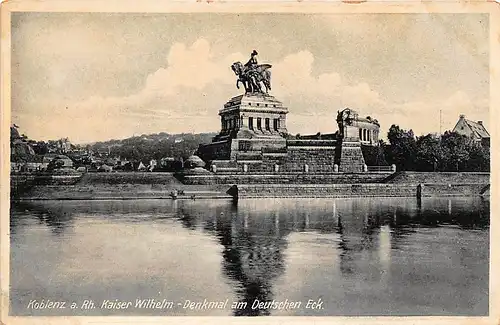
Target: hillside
x=153 y=146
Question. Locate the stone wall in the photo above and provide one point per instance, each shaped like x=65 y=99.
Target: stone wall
x=326 y=190
x=429 y=190
x=440 y=177
x=318 y=160
x=129 y=178
x=215 y=150
x=258 y=144
x=356 y=190
x=285 y=178
x=351 y=157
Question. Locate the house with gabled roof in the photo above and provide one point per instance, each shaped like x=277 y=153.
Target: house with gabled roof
x=474 y=130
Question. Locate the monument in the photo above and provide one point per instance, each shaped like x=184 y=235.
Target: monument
x=253 y=135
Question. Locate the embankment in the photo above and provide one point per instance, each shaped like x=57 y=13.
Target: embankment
x=356 y=190
x=439 y=178
x=287 y=178
x=95 y=186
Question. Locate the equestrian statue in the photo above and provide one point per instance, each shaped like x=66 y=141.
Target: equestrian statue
x=252 y=75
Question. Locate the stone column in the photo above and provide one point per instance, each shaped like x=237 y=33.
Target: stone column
x=351 y=156
x=282 y=123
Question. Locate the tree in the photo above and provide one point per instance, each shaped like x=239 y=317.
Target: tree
x=479 y=158
x=402 y=148
x=375 y=155
x=40 y=148
x=429 y=155
x=55 y=164
x=456 y=149
x=14 y=134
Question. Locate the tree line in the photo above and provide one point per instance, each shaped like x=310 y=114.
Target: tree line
x=447 y=152
x=154 y=146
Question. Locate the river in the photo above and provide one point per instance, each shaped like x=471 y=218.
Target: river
x=351 y=257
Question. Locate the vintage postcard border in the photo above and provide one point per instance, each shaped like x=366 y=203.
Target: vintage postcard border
x=303 y=7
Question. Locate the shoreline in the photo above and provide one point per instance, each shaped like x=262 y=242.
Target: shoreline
x=139 y=186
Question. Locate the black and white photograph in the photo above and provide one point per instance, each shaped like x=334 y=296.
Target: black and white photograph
x=248 y=163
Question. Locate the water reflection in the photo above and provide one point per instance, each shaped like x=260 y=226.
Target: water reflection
x=253 y=246
x=57 y=218
x=254 y=237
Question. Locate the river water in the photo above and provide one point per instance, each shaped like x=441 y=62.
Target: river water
x=374 y=256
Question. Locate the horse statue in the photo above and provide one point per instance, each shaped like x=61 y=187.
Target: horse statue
x=252 y=78
x=346 y=116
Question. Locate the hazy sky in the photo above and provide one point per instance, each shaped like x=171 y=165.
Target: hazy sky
x=98 y=76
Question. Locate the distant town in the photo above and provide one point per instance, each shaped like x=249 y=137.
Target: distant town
x=154 y=152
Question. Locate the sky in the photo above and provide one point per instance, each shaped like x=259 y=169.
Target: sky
x=101 y=76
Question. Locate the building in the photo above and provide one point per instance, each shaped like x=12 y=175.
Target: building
x=254 y=138
x=58 y=161
x=474 y=130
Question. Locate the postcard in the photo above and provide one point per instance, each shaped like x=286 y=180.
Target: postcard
x=222 y=162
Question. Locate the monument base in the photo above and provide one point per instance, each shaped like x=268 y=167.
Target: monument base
x=351 y=157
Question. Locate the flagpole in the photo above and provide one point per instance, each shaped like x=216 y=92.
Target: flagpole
x=440 y=122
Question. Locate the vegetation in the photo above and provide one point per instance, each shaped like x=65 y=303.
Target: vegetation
x=448 y=152
x=154 y=146
x=374 y=155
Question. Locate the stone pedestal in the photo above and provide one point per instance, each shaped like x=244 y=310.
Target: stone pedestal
x=250 y=124
x=251 y=115
x=351 y=156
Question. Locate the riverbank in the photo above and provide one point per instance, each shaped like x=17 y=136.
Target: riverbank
x=120 y=186
x=131 y=186
x=357 y=190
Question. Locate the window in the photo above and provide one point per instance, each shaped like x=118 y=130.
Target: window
x=250 y=123
x=244 y=145
x=276 y=124
x=267 y=124
x=259 y=123
x=361 y=134
x=235 y=122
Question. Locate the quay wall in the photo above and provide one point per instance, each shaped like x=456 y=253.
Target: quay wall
x=120 y=192
x=129 y=178
x=160 y=185
x=405 y=177
x=462 y=189
x=323 y=190
x=111 y=186
x=285 y=178
x=355 y=190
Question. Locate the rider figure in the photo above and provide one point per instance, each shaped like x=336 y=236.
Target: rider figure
x=252 y=63
x=251 y=67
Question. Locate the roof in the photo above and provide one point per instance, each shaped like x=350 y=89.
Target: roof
x=477 y=129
